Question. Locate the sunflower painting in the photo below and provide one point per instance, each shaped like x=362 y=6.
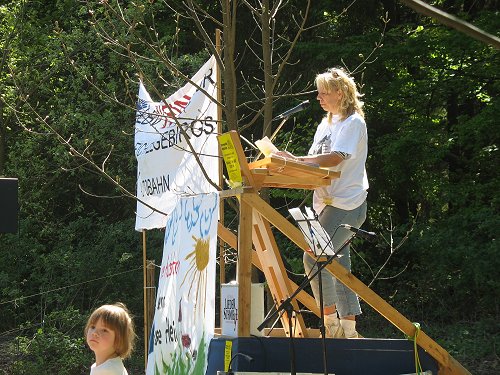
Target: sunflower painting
x=197 y=272
x=185 y=310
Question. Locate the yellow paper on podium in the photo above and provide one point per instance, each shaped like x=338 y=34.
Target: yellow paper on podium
x=231 y=160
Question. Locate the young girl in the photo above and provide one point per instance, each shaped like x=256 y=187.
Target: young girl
x=110 y=335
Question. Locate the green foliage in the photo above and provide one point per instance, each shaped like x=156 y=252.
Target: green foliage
x=57 y=347
x=463 y=262
x=473 y=343
x=184 y=361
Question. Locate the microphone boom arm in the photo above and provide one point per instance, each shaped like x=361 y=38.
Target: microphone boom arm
x=283 y=117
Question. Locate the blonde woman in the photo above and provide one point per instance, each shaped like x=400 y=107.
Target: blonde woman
x=340 y=143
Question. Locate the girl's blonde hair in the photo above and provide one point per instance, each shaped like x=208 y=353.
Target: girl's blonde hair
x=117 y=318
x=338 y=79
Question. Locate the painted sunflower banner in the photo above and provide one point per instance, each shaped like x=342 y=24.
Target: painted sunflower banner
x=184 y=318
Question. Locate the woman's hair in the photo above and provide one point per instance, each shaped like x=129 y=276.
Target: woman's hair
x=339 y=79
x=117 y=318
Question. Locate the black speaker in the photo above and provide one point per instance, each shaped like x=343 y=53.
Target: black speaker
x=9 y=205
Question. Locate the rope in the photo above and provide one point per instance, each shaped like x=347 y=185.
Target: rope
x=418 y=366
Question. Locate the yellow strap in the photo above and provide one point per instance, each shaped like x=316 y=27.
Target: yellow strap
x=228 y=349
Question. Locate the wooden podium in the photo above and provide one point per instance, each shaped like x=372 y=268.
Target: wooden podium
x=256 y=245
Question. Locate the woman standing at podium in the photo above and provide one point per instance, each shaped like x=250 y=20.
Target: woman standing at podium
x=340 y=143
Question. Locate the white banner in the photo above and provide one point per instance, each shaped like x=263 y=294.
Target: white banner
x=184 y=319
x=166 y=167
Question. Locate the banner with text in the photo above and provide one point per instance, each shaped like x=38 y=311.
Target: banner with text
x=166 y=166
x=184 y=318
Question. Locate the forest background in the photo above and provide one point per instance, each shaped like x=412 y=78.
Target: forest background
x=69 y=73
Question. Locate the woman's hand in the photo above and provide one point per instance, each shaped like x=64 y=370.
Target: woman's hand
x=285 y=154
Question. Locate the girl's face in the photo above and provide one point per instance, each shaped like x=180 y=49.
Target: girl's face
x=329 y=101
x=101 y=339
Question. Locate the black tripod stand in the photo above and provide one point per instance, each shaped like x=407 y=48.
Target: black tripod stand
x=286 y=306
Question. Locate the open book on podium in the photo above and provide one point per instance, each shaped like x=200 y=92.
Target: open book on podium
x=281 y=172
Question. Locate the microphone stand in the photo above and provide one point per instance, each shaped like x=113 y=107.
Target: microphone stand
x=279 y=127
x=286 y=305
x=321 y=297
x=322 y=318
x=291 y=348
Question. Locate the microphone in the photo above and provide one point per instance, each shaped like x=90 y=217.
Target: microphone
x=369 y=236
x=293 y=110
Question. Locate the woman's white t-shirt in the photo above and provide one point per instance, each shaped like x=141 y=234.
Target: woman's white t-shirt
x=350 y=137
x=113 y=366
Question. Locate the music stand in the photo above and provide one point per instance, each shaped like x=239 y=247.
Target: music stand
x=317 y=237
x=287 y=307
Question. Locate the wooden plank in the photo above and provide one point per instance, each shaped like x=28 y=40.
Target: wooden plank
x=227 y=236
x=244 y=269
x=280 y=332
x=273 y=216
x=230 y=193
x=274 y=270
x=308 y=183
x=280 y=166
x=232 y=240
x=275 y=332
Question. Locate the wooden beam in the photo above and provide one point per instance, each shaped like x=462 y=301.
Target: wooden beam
x=232 y=240
x=445 y=360
x=273 y=216
x=244 y=269
x=274 y=270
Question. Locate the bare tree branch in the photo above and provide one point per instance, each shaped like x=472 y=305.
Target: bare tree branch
x=393 y=248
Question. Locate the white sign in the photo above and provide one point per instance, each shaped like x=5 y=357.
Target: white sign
x=229 y=309
x=166 y=166
x=184 y=320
